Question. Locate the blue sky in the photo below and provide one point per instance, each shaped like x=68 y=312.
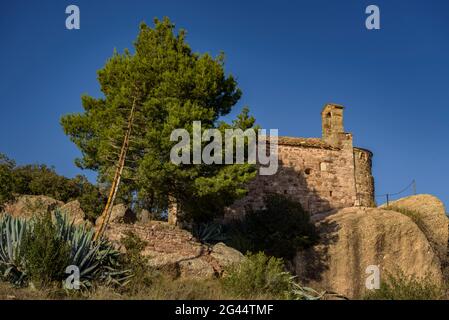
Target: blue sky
x=290 y=58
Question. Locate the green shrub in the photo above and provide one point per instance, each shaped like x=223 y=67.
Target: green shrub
x=401 y=287
x=6 y=180
x=258 y=276
x=39 y=179
x=91 y=200
x=142 y=274
x=42 y=248
x=46 y=255
x=280 y=229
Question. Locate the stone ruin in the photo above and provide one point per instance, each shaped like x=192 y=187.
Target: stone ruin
x=320 y=173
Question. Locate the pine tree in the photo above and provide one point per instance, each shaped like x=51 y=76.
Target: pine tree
x=160 y=87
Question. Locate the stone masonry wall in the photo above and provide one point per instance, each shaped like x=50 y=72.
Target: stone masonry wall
x=321 y=173
x=364 y=178
x=320 y=179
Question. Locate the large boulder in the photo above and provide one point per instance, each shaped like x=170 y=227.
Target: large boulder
x=226 y=256
x=430 y=215
x=27 y=206
x=353 y=239
x=73 y=210
x=121 y=213
x=172 y=249
x=144 y=216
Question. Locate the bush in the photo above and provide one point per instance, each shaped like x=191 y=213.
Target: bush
x=6 y=180
x=46 y=254
x=280 y=230
x=91 y=200
x=258 y=276
x=142 y=274
x=39 y=179
x=42 y=248
x=401 y=287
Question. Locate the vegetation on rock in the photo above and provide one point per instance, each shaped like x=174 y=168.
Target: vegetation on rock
x=43 y=180
x=401 y=287
x=281 y=229
x=40 y=249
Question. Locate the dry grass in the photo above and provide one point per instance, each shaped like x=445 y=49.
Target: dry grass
x=163 y=288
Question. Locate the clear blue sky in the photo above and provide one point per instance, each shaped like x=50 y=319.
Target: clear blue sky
x=290 y=58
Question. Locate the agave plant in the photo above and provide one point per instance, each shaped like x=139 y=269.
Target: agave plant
x=305 y=293
x=12 y=232
x=95 y=260
x=209 y=232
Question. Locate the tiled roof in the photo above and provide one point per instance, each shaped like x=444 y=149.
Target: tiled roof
x=305 y=142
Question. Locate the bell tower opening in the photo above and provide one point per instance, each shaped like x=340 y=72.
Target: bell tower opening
x=332 y=124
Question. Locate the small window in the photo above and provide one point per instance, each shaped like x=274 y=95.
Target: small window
x=330 y=193
x=323 y=166
x=328 y=120
x=308 y=171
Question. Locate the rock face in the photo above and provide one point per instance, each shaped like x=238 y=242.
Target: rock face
x=27 y=206
x=122 y=214
x=433 y=221
x=74 y=211
x=144 y=216
x=177 y=251
x=355 y=238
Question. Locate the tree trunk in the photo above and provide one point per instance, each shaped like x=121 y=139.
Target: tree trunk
x=105 y=216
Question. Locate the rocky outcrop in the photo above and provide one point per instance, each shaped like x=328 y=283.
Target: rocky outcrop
x=176 y=251
x=353 y=239
x=144 y=216
x=27 y=206
x=120 y=214
x=73 y=210
x=430 y=215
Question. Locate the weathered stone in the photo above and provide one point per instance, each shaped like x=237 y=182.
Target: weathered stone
x=354 y=238
x=432 y=218
x=321 y=174
x=73 y=211
x=122 y=214
x=174 y=249
x=144 y=216
x=27 y=206
x=225 y=255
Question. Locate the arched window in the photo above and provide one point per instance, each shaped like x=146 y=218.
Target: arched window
x=328 y=119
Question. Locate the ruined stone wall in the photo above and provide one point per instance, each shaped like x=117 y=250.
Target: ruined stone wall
x=363 y=177
x=320 y=179
x=159 y=237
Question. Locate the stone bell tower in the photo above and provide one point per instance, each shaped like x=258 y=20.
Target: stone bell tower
x=332 y=125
